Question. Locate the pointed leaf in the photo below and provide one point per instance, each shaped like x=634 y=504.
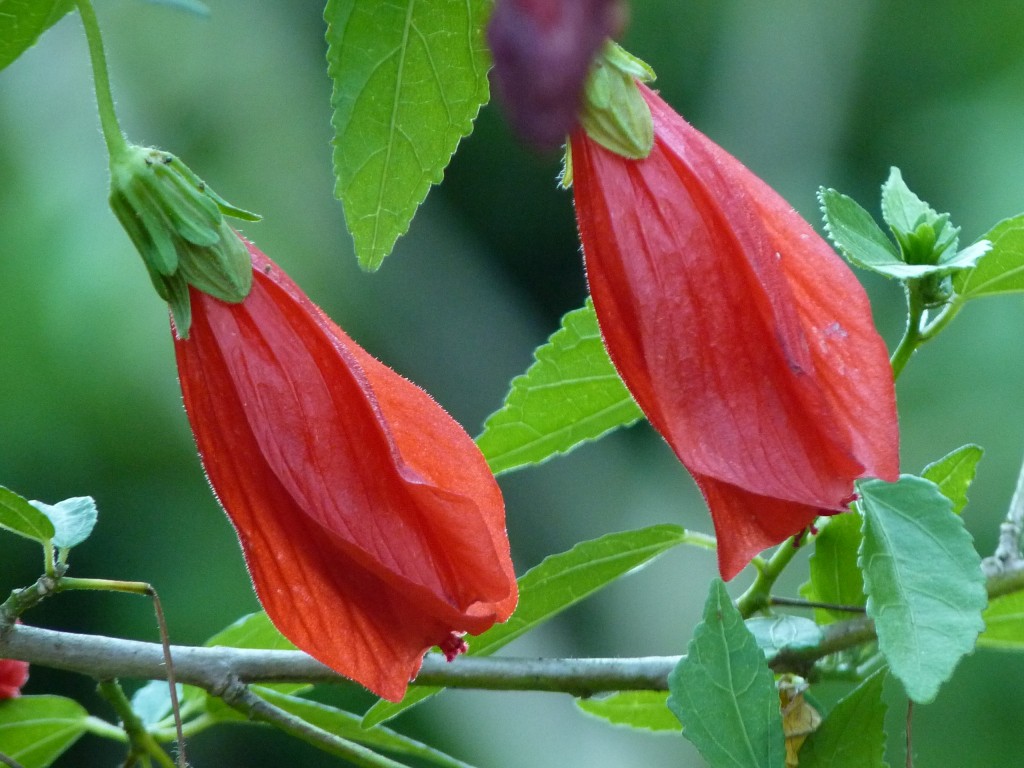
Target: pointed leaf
x=347 y=726
x=954 y=473
x=924 y=582
x=18 y=516
x=835 y=575
x=646 y=710
x=858 y=237
x=73 y=519
x=724 y=694
x=1001 y=270
x=409 y=78
x=902 y=210
x=853 y=734
x=569 y=395
x=557 y=583
x=36 y=730
x=23 y=21
x=1004 y=623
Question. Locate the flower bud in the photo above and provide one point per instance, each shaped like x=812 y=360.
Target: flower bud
x=177 y=224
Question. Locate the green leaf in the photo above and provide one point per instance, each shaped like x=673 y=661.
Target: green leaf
x=36 y=730
x=954 y=473
x=724 y=694
x=409 y=78
x=646 y=710
x=348 y=726
x=23 y=21
x=853 y=734
x=73 y=519
x=1001 y=270
x=1004 y=623
x=557 y=583
x=569 y=395
x=835 y=575
x=152 y=702
x=858 y=237
x=18 y=516
x=775 y=633
x=923 y=579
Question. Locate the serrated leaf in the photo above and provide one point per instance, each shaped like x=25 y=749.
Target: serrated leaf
x=724 y=694
x=903 y=210
x=348 y=726
x=835 y=576
x=923 y=579
x=36 y=730
x=557 y=583
x=1001 y=270
x=853 y=734
x=22 y=22
x=858 y=237
x=644 y=710
x=409 y=78
x=17 y=515
x=775 y=633
x=73 y=519
x=954 y=473
x=1004 y=623
x=571 y=394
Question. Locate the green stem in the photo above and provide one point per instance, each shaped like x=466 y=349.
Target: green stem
x=912 y=336
x=951 y=310
x=140 y=740
x=112 y=135
x=758 y=596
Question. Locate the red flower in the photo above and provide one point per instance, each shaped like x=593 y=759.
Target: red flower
x=746 y=341
x=13 y=675
x=370 y=523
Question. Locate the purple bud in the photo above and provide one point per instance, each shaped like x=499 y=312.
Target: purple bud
x=543 y=50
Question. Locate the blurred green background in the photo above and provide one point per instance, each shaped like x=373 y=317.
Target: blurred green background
x=807 y=94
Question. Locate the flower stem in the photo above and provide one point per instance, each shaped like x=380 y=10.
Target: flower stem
x=758 y=595
x=140 y=740
x=912 y=336
x=112 y=135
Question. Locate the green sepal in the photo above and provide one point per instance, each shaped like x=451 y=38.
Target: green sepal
x=177 y=224
x=614 y=113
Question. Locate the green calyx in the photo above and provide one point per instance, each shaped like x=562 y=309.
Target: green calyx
x=177 y=224
x=614 y=113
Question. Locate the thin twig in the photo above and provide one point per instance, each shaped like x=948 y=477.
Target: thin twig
x=10 y=761
x=797 y=602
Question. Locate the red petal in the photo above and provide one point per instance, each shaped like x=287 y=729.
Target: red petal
x=743 y=337
x=369 y=520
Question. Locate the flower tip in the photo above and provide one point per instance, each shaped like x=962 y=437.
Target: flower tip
x=454 y=646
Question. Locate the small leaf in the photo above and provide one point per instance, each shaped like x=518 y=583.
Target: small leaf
x=557 y=583
x=409 y=78
x=1001 y=270
x=835 y=575
x=36 y=730
x=856 y=234
x=19 y=516
x=724 y=694
x=347 y=726
x=954 y=473
x=645 y=710
x=902 y=210
x=152 y=702
x=73 y=519
x=853 y=734
x=775 y=633
x=569 y=395
x=23 y=21
x=924 y=582
x=1004 y=623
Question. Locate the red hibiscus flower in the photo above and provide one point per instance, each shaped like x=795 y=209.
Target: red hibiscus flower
x=370 y=523
x=13 y=675
x=746 y=341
